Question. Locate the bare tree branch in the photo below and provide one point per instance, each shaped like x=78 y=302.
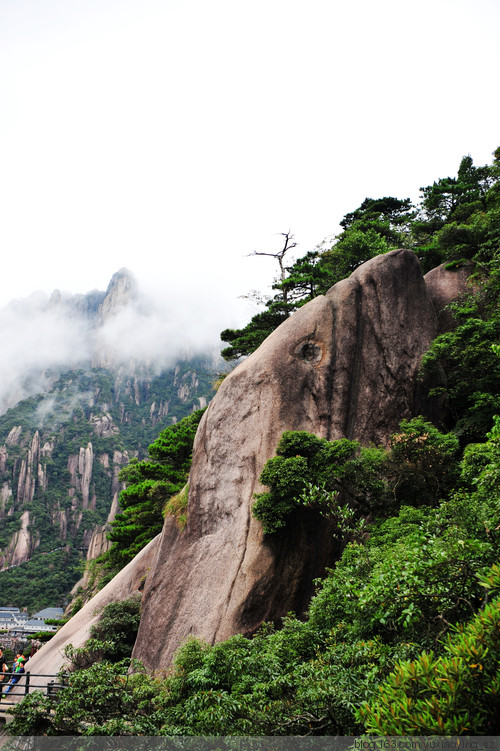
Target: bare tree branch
x=287 y=245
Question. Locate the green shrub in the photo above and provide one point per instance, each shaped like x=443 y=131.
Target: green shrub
x=422 y=466
x=112 y=638
x=337 y=476
x=454 y=694
x=100 y=700
x=341 y=471
x=149 y=485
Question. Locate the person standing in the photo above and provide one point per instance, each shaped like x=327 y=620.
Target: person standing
x=17 y=670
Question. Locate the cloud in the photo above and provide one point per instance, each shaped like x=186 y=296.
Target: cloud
x=58 y=409
x=42 y=336
x=35 y=342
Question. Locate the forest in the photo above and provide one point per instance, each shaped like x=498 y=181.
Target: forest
x=402 y=636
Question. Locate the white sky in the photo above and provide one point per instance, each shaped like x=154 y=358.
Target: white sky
x=174 y=137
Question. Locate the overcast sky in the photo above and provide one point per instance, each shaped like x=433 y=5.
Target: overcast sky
x=174 y=137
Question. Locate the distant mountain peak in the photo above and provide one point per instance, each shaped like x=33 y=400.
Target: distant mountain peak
x=123 y=278
x=122 y=291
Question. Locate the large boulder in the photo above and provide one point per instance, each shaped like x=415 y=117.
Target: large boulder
x=344 y=365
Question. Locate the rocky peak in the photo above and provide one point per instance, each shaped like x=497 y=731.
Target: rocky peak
x=122 y=292
x=84 y=307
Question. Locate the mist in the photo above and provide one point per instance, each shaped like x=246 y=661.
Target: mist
x=42 y=336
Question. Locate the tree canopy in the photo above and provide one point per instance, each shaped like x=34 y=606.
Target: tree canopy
x=149 y=485
x=457 y=217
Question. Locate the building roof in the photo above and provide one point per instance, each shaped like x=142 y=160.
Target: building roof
x=49 y=613
x=35 y=623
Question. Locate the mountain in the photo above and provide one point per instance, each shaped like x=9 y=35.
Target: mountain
x=61 y=450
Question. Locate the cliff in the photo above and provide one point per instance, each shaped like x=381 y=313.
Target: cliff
x=344 y=365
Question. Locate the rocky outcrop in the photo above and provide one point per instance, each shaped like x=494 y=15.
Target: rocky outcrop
x=28 y=474
x=445 y=284
x=99 y=542
x=21 y=542
x=65 y=457
x=121 y=297
x=344 y=365
x=80 y=469
x=33 y=479
x=122 y=291
x=104 y=426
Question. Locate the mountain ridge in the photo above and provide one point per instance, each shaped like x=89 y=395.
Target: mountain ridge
x=62 y=448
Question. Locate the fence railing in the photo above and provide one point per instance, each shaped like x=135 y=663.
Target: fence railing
x=24 y=685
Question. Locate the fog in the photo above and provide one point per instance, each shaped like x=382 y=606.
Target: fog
x=41 y=336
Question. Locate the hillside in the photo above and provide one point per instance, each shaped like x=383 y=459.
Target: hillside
x=61 y=450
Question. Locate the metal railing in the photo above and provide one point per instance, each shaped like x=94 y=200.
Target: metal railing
x=26 y=684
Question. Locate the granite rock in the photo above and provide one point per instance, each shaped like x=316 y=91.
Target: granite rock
x=344 y=365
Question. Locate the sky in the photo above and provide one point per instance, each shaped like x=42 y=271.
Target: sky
x=176 y=137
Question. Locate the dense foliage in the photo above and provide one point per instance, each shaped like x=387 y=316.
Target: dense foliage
x=467 y=358
x=391 y=607
x=43 y=581
x=150 y=484
x=111 y=638
x=342 y=477
x=402 y=635
x=455 y=693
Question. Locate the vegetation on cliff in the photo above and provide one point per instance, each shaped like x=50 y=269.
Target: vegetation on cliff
x=151 y=488
x=409 y=615
x=402 y=636
x=343 y=479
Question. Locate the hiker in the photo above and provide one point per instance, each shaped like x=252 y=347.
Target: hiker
x=17 y=670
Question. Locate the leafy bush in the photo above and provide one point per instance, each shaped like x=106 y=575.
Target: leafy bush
x=112 y=638
x=422 y=465
x=453 y=694
x=337 y=476
x=342 y=470
x=101 y=700
x=150 y=483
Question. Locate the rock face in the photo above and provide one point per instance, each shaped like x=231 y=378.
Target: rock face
x=344 y=365
x=121 y=296
x=445 y=285
x=65 y=453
